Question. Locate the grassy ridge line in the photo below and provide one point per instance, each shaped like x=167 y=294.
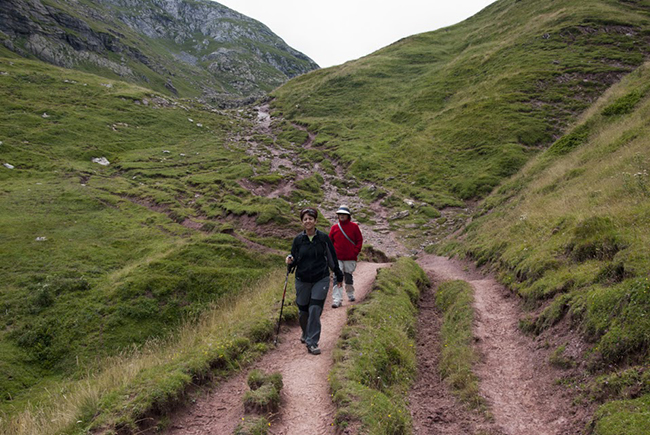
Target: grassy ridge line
x=455 y=299
x=149 y=381
x=570 y=234
x=375 y=358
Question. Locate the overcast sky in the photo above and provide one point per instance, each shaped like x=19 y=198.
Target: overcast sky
x=331 y=32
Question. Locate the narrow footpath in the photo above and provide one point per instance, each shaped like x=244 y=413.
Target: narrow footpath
x=307 y=408
x=518 y=383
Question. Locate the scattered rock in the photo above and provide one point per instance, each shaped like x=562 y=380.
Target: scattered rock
x=8 y=166
x=101 y=160
x=198 y=124
x=399 y=215
x=41 y=239
x=190 y=119
x=45 y=115
x=107 y=85
x=166 y=151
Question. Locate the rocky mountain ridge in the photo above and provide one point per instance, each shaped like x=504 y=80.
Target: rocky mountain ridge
x=180 y=47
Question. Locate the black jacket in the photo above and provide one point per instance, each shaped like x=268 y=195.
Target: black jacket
x=312 y=260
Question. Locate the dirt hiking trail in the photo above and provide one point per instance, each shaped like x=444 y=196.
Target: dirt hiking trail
x=518 y=383
x=516 y=380
x=306 y=407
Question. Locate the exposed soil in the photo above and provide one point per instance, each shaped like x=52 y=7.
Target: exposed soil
x=376 y=234
x=516 y=379
x=307 y=408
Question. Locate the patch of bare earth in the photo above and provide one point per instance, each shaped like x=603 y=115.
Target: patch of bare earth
x=376 y=234
x=307 y=408
x=517 y=381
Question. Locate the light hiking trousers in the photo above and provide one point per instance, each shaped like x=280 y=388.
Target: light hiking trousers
x=348 y=268
x=310 y=298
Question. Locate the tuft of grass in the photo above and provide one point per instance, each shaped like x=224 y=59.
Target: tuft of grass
x=375 y=358
x=629 y=417
x=457 y=357
x=253 y=425
x=263 y=400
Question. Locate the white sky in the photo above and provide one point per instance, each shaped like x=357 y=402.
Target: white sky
x=331 y=32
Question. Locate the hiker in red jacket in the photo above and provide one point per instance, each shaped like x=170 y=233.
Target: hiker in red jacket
x=347 y=240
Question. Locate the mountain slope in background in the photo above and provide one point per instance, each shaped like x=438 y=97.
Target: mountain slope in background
x=443 y=117
x=179 y=47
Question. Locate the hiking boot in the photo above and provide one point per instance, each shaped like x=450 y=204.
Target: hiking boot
x=352 y=298
x=313 y=349
x=336 y=304
x=302 y=339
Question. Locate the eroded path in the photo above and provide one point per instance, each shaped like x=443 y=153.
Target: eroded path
x=307 y=408
x=515 y=377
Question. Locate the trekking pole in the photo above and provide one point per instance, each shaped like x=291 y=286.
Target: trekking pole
x=282 y=306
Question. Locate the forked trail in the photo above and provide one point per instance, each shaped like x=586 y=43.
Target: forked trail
x=518 y=383
x=516 y=380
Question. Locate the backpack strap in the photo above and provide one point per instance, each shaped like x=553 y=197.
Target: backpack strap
x=346 y=236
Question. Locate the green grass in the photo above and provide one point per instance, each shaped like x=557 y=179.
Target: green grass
x=151 y=379
x=629 y=417
x=457 y=355
x=569 y=234
x=375 y=358
x=448 y=115
x=95 y=259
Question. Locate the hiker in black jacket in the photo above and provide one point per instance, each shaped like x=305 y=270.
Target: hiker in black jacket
x=312 y=256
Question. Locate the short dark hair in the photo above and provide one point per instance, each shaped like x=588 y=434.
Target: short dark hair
x=310 y=211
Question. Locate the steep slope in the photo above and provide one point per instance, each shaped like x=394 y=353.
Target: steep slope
x=179 y=47
x=570 y=235
x=443 y=117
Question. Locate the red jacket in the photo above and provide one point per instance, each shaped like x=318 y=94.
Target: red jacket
x=346 y=251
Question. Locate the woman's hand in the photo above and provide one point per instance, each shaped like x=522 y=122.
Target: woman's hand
x=289 y=259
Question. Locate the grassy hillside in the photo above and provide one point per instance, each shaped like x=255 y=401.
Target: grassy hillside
x=94 y=258
x=445 y=116
x=570 y=234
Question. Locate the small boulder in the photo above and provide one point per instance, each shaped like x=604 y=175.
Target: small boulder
x=101 y=160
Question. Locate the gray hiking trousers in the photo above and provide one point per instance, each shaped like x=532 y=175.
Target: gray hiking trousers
x=310 y=298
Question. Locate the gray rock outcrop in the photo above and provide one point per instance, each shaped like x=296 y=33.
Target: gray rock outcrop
x=180 y=47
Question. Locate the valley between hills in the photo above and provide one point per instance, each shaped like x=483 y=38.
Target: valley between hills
x=154 y=156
